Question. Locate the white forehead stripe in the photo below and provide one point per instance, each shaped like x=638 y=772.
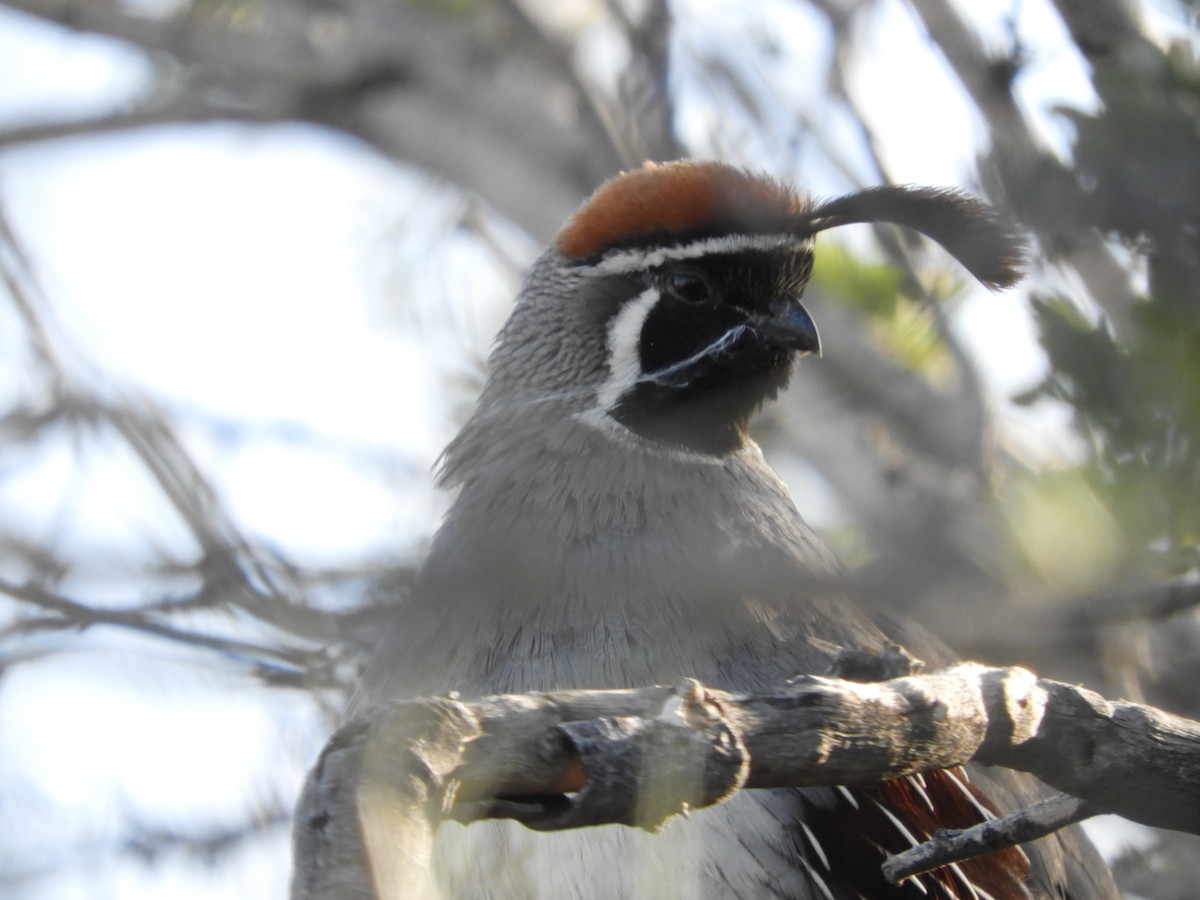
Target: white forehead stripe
x=619 y=261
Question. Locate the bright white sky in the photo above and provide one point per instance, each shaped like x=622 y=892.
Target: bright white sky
x=236 y=272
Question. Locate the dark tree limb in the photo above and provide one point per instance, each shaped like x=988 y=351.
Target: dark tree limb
x=953 y=845
x=637 y=757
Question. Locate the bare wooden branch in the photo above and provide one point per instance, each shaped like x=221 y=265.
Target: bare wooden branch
x=578 y=758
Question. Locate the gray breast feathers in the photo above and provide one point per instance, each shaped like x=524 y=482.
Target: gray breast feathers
x=570 y=565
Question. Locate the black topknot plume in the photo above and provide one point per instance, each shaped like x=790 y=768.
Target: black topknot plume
x=987 y=243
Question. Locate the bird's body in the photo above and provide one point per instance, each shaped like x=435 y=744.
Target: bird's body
x=615 y=527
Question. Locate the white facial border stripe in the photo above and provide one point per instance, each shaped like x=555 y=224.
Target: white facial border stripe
x=624 y=373
x=621 y=261
x=624 y=358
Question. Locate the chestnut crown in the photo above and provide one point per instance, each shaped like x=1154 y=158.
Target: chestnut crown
x=681 y=202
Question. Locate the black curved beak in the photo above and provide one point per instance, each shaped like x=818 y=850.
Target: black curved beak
x=789 y=326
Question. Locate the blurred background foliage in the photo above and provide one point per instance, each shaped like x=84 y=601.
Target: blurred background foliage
x=1048 y=518
x=1136 y=392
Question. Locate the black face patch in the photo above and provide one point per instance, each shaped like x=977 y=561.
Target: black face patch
x=704 y=367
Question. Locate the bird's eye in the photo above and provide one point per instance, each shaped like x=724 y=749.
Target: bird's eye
x=690 y=287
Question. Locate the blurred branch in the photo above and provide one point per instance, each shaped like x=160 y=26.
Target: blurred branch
x=149 y=842
x=185 y=109
x=274 y=664
x=1149 y=603
x=645 y=117
x=185 y=37
x=1102 y=28
x=230 y=570
x=438 y=91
